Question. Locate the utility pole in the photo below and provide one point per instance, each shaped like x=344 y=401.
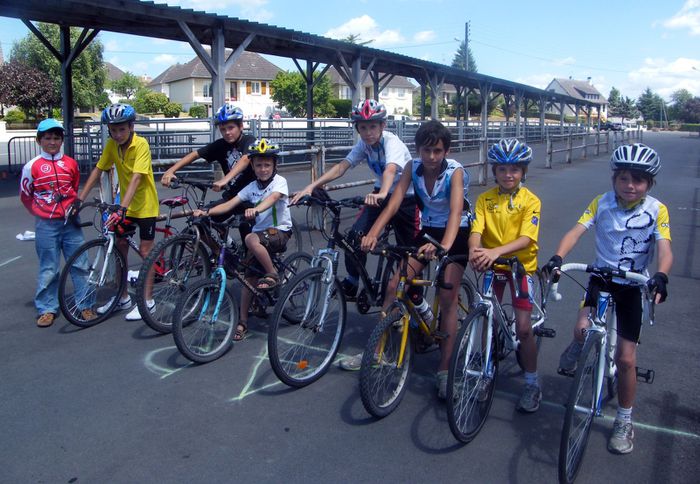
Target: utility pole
x=466 y=45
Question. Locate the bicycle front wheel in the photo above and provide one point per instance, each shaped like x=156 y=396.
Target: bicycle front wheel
x=174 y=262
x=472 y=377
x=306 y=328
x=385 y=371
x=92 y=278
x=580 y=409
x=204 y=321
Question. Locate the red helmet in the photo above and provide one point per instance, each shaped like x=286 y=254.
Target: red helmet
x=368 y=110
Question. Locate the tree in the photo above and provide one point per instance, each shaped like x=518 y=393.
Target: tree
x=627 y=108
x=355 y=39
x=690 y=112
x=289 y=91
x=26 y=87
x=458 y=59
x=614 y=102
x=127 y=85
x=650 y=104
x=147 y=101
x=679 y=98
x=89 y=73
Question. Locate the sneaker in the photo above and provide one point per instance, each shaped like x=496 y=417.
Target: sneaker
x=88 y=314
x=349 y=289
x=530 y=400
x=135 y=315
x=621 y=439
x=441 y=383
x=45 y=320
x=351 y=363
x=569 y=358
x=121 y=306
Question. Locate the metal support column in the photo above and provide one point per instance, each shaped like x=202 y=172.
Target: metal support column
x=518 y=113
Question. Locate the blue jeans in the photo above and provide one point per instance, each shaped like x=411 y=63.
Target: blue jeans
x=52 y=237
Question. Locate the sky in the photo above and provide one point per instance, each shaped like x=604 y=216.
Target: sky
x=630 y=45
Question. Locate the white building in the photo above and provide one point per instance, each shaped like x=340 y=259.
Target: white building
x=397 y=96
x=583 y=90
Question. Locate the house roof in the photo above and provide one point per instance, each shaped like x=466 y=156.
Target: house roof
x=248 y=66
x=397 y=81
x=113 y=72
x=579 y=89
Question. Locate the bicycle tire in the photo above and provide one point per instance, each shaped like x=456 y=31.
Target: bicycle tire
x=177 y=263
x=89 y=215
x=302 y=346
x=296 y=241
x=382 y=382
x=471 y=382
x=197 y=337
x=466 y=301
x=85 y=264
x=580 y=410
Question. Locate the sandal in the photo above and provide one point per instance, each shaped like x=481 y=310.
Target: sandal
x=268 y=282
x=241 y=333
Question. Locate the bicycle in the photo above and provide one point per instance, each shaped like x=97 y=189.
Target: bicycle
x=207 y=313
x=595 y=364
x=388 y=356
x=309 y=319
x=474 y=362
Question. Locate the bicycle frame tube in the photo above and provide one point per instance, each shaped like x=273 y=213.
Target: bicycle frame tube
x=103 y=271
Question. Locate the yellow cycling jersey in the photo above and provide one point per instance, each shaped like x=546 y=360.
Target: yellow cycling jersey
x=501 y=218
x=137 y=159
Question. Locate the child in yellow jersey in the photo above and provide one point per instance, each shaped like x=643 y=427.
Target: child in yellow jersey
x=506 y=224
x=629 y=224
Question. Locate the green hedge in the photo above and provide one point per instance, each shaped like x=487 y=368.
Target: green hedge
x=15 y=116
x=342 y=107
x=693 y=127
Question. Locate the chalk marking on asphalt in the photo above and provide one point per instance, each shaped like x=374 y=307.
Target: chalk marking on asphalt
x=162 y=371
x=10 y=260
x=262 y=357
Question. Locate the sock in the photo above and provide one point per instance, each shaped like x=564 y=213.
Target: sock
x=150 y=303
x=624 y=414
x=124 y=299
x=532 y=379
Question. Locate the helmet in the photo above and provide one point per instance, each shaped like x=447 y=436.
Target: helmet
x=228 y=112
x=263 y=147
x=368 y=110
x=636 y=157
x=118 y=113
x=510 y=151
x=49 y=124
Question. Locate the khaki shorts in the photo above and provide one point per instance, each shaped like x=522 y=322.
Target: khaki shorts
x=275 y=241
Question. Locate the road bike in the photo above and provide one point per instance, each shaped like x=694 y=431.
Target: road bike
x=487 y=336
x=595 y=367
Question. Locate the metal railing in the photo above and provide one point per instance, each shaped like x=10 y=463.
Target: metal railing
x=618 y=137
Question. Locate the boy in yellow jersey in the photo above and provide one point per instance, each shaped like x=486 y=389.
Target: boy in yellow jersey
x=131 y=155
x=629 y=224
x=506 y=224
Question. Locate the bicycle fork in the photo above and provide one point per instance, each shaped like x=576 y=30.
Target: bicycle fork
x=326 y=259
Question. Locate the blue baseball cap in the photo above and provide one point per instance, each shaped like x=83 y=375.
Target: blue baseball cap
x=48 y=124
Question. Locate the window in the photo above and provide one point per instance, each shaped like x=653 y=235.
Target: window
x=345 y=93
x=206 y=89
x=255 y=87
x=401 y=93
x=233 y=91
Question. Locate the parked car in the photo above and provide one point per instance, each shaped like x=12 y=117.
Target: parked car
x=617 y=127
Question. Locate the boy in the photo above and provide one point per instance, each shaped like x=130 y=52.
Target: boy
x=614 y=214
x=230 y=151
x=48 y=189
x=440 y=185
x=268 y=195
x=131 y=155
x=506 y=224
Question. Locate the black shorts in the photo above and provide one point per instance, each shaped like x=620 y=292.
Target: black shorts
x=628 y=305
x=147 y=227
x=459 y=247
x=275 y=241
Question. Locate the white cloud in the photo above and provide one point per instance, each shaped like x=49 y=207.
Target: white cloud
x=537 y=80
x=687 y=18
x=664 y=77
x=424 y=36
x=164 y=59
x=367 y=29
x=566 y=61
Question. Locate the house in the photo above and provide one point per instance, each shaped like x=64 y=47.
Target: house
x=583 y=90
x=113 y=74
x=397 y=96
x=247 y=84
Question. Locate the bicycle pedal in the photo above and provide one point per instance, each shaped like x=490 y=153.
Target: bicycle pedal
x=545 y=332
x=645 y=375
x=563 y=372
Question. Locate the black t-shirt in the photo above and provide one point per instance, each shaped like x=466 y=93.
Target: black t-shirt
x=228 y=154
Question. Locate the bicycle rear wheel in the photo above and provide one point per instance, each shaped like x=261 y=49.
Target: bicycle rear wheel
x=91 y=279
x=175 y=262
x=204 y=321
x=471 y=379
x=306 y=329
x=580 y=410
x=384 y=374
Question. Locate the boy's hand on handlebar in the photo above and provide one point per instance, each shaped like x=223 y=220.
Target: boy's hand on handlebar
x=200 y=213
x=116 y=217
x=657 y=283
x=554 y=263
x=167 y=178
x=218 y=186
x=250 y=213
x=301 y=194
x=368 y=243
x=482 y=258
x=428 y=251
x=374 y=199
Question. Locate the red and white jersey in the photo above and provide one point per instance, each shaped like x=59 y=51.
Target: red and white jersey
x=49 y=185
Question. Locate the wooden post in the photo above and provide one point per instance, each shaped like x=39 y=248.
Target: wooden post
x=548 y=159
x=569 y=148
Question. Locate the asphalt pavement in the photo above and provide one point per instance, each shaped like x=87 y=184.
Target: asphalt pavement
x=117 y=403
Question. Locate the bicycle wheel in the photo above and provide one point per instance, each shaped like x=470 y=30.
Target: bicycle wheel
x=295 y=242
x=306 y=329
x=466 y=301
x=471 y=379
x=384 y=375
x=91 y=279
x=175 y=262
x=204 y=321
x=580 y=410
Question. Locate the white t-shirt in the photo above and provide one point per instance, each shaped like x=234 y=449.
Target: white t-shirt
x=277 y=216
x=390 y=150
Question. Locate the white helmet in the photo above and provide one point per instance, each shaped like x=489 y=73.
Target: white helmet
x=636 y=157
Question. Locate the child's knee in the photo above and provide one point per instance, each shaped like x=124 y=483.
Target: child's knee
x=626 y=360
x=252 y=239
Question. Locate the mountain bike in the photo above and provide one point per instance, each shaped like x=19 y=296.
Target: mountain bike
x=596 y=365
x=207 y=312
x=487 y=336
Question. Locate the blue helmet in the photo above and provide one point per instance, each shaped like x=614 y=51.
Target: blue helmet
x=49 y=124
x=118 y=113
x=228 y=112
x=509 y=151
